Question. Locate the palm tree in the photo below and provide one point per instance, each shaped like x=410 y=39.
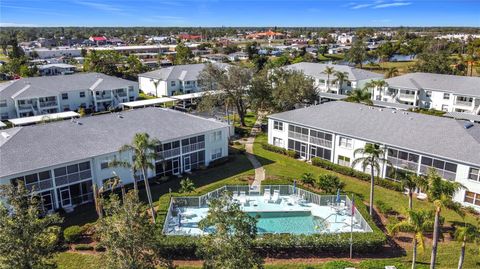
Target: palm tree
x=144 y=152
x=359 y=96
x=329 y=70
x=417 y=223
x=372 y=156
x=340 y=78
x=125 y=164
x=411 y=182
x=467 y=233
x=391 y=72
x=155 y=83
x=380 y=84
x=440 y=193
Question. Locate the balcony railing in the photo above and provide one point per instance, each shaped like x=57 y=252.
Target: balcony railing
x=48 y=104
x=104 y=97
x=404 y=164
x=298 y=136
x=443 y=173
x=463 y=103
x=321 y=142
x=25 y=107
x=193 y=147
x=406 y=96
x=72 y=178
x=39 y=186
x=168 y=153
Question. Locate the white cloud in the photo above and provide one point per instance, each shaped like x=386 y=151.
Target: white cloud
x=361 y=6
x=99 y=6
x=14 y=24
x=396 y=4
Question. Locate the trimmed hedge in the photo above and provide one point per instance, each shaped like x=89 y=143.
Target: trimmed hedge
x=289 y=153
x=72 y=234
x=83 y=247
x=348 y=171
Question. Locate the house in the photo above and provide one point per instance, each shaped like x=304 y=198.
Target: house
x=266 y=35
x=237 y=56
x=345 y=38
x=414 y=142
x=62 y=160
x=357 y=78
x=44 y=95
x=214 y=58
x=98 y=40
x=55 y=52
x=189 y=37
x=56 y=69
x=172 y=80
x=426 y=90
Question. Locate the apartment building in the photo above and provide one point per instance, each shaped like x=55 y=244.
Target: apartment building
x=44 y=95
x=441 y=92
x=414 y=142
x=168 y=81
x=62 y=160
x=356 y=78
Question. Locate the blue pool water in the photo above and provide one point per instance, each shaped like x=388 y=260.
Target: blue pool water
x=287 y=222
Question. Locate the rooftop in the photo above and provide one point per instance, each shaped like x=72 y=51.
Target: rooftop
x=449 y=83
x=185 y=72
x=54 y=85
x=415 y=132
x=316 y=70
x=33 y=147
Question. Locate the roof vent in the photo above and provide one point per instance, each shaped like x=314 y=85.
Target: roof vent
x=380 y=109
x=468 y=125
x=5 y=135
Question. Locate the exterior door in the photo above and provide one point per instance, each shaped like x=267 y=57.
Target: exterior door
x=313 y=152
x=65 y=197
x=175 y=167
x=47 y=201
x=303 y=151
x=187 y=164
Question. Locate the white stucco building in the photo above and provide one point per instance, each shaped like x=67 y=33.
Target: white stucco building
x=441 y=92
x=414 y=142
x=52 y=94
x=62 y=160
x=172 y=80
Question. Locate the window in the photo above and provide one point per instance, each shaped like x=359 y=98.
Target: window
x=346 y=142
x=446 y=96
x=217 y=153
x=82 y=94
x=3 y=116
x=428 y=94
x=474 y=174
x=64 y=96
x=472 y=198
x=277 y=125
x=131 y=98
x=104 y=165
x=317 y=152
x=172 y=83
x=278 y=142
x=216 y=136
x=445 y=169
x=3 y=103
x=342 y=160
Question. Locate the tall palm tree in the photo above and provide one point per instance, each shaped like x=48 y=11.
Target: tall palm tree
x=144 y=152
x=125 y=164
x=411 y=182
x=380 y=85
x=440 y=193
x=372 y=155
x=417 y=223
x=467 y=233
x=391 y=72
x=340 y=78
x=329 y=70
x=360 y=96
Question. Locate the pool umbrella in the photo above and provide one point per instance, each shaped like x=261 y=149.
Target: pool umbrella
x=338 y=196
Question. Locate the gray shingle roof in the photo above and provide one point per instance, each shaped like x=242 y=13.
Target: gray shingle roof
x=316 y=70
x=448 y=83
x=431 y=135
x=187 y=72
x=44 y=86
x=38 y=146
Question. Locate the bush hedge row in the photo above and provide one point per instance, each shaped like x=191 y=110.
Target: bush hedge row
x=348 y=171
x=72 y=234
x=289 y=153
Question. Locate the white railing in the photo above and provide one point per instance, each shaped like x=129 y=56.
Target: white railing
x=463 y=103
x=298 y=136
x=48 y=104
x=169 y=153
x=406 y=96
x=443 y=173
x=193 y=147
x=403 y=163
x=321 y=142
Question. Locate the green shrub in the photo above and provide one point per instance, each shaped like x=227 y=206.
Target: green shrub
x=307 y=178
x=348 y=171
x=292 y=154
x=384 y=209
x=330 y=183
x=337 y=265
x=99 y=248
x=289 y=153
x=72 y=234
x=83 y=247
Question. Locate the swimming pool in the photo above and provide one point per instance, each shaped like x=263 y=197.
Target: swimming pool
x=285 y=209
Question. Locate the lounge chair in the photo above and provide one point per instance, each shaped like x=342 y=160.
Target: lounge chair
x=421 y=196
x=235 y=196
x=275 y=196
x=267 y=195
x=242 y=198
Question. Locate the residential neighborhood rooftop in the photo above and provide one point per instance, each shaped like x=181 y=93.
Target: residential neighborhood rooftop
x=33 y=147
x=185 y=72
x=407 y=130
x=316 y=70
x=43 y=86
x=429 y=81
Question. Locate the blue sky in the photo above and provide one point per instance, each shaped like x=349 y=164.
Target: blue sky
x=240 y=13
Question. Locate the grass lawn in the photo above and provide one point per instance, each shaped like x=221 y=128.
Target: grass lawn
x=284 y=168
x=250 y=119
x=403 y=67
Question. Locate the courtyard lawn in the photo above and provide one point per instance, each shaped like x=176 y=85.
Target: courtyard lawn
x=282 y=168
x=403 y=67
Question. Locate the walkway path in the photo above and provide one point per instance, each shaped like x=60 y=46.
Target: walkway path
x=259 y=170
